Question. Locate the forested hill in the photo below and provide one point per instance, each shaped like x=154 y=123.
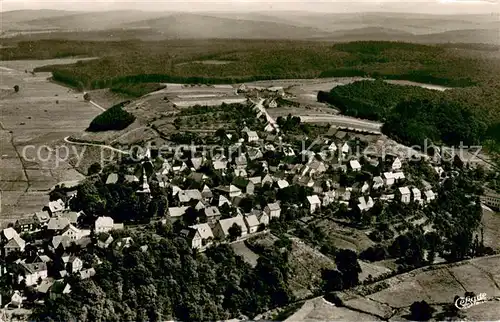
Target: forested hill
x=247 y=60
x=412 y=114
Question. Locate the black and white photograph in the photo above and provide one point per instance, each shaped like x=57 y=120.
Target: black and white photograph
x=249 y=160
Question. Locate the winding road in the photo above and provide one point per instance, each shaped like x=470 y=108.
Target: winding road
x=67 y=140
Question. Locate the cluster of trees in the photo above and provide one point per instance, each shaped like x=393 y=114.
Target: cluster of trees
x=136 y=89
x=170 y=282
x=114 y=118
x=412 y=114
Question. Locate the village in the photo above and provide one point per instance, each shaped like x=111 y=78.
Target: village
x=208 y=199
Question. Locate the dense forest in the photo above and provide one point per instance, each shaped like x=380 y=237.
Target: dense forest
x=114 y=118
x=168 y=281
x=246 y=60
x=412 y=114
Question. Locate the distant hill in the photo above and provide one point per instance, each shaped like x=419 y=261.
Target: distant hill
x=130 y=24
x=92 y=20
x=201 y=26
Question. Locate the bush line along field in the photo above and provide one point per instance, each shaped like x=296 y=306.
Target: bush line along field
x=181 y=61
x=412 y=114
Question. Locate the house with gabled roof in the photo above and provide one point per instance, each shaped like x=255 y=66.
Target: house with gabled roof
x=112 y=178
x=103 y=224
x=104 y=240
x=222 y=227
x=55 y=207
x=255 y=180
x=378 y=183
x=58 y=223
x=211 y=214
x=41 y=218
x=252 y=136
x=417 y=195
x=355 y=165
x=240 y=162
x=15 y=244
x=314 y=203
x=32 y=273
x=252 y=223
x=273 y=210
x=244 y=184
x=404 y=194
x=365 y=203
x=199 y=236
x=396 y=164
x=176 y=213
x=429 y=196
x=206 y=192
x=254 y=154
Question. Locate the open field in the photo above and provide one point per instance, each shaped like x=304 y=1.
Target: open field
x=33 y=122
x=437 y=285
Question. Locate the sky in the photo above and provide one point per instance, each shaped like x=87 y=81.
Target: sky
x=337 y=6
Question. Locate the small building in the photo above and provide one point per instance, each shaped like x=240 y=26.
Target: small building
x=404 y=194
x=112 y=178
x=244 y=184
x=345 y=148
x=355 y=165
x=252 y=223
x=396 y=164
x=222 y=227
x=314 y=203
x=86 y=273
x=365 y=187
x=267 y=179
x=26 y=224
x=58 y=223
x=15 y=244
x=389 y=179
x=199 y=236
x=41 y=218
x=55 y=206
x=104 y=240
x=365 y=203
x=74 y=264
x=429 y=196
x=282 y=184
x=240 y=162
x=417 y=195
x=273 y=210
x=378 y=183
x=103 y=225
x=272 y=104
x=211 y=214
x=252 y=136
x=31 y=273
x=176 y=213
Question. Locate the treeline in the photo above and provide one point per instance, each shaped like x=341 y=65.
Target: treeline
x=114 y=118
x=136 y=89
x=412 y=114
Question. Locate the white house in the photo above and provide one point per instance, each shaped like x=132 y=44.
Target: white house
x=365 y=203
x=389 y=178
x=252 y=223
x=33 y=272
x=221 y=229
x=429 y=196
x=103 y=224
x=314 y=203
x=378 y=183
x=273 y=104
x=417 y=195
x=355 y=166
x=365 y=187
x=199 y=236
x=405 y=194
x=396 y=165
x=345 y=148
x=252 y=136
x=273 y=210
